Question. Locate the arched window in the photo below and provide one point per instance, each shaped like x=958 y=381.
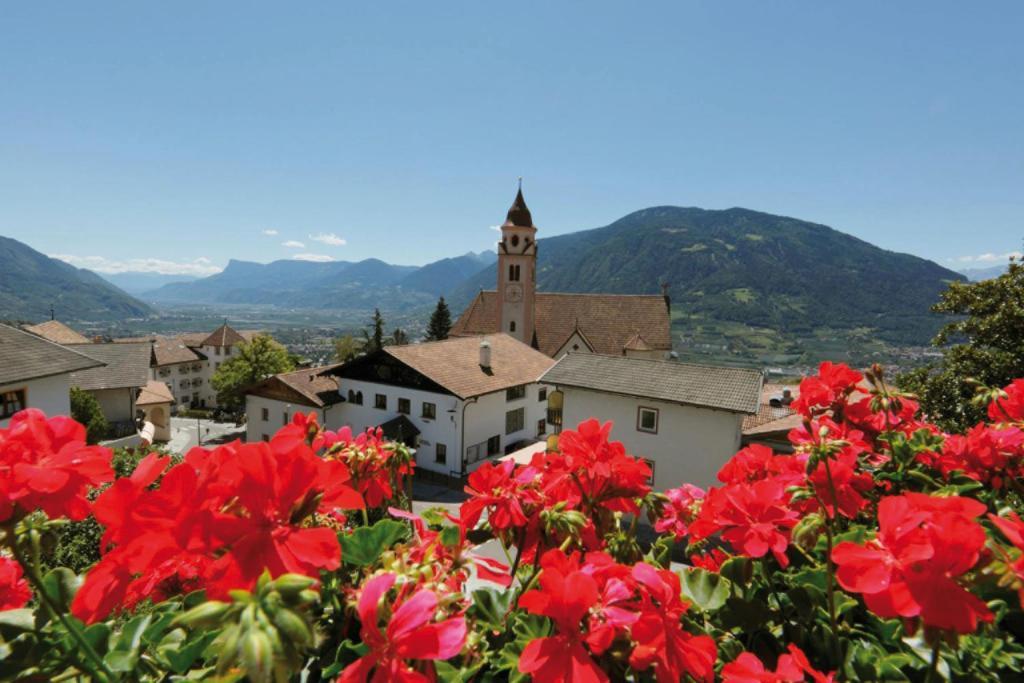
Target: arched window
x=512 y=326
x=513 y=273
x=359 y=398
x=351 y=396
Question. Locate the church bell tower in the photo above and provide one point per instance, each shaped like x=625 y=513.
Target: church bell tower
x=517 y=271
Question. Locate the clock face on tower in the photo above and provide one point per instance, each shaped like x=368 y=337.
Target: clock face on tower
x=513 y=293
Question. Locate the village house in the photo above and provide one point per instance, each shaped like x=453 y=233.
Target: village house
x=774 y=420
x=683 y=419
x=556 y=323
x=117 y=382
x=272 y=403
x=36 y=373
x=458 y=402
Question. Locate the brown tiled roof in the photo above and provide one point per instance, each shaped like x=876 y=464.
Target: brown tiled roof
x=608 y=321
x=734 y=389
x=154 y=393
x=637 y=343
x=167 y=350
x=25 y=356
x=771 y=418
x=126 y=365
x=223 y=336
x=454 y=363
x=58 y=332
x=308 y=386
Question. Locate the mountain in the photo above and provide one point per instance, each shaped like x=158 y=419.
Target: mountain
x=437 y=277
x=745 y=267
x=31 y=282
x=138 y=282
x=979 y=274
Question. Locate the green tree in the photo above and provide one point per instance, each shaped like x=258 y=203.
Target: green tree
x=252 y=362
x=440 y=322
x=987 y=347
x=86 y=410
x=374 y=338
x=346 y=348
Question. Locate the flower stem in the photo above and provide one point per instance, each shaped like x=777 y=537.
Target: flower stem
x=933 y=668
x=32 y=573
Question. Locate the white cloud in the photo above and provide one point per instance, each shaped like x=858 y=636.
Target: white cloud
x=496 y=228
x=269 y=233
x=328 y=238
x=987 y=258
x=200 y=267
x=293 y=244
x=318 y=258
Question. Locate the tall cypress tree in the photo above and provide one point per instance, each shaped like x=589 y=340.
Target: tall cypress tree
x=440 y=322
x=375 y=338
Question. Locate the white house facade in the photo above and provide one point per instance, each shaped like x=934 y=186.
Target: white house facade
x=685 y=420
x=36 y=373
x=458 y=402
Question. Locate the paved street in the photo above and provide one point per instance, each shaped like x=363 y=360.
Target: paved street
x=184 y=433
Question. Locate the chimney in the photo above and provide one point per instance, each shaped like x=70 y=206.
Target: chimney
x=787 y=396
x=668 y=299
x=485 y=354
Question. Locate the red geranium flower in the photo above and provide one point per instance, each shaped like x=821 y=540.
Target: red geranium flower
x=924 y=544
x=412 y=633
x=45 y=464
x=680 y=511
x=1011 y=408
x=14 y=589
x=790 y=668
x=848 y=484
x=821 y=392
x=1013 y=528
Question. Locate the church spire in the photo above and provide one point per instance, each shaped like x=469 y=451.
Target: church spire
x=519 y=214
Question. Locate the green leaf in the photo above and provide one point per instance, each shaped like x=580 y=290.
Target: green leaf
x=60 y=585
x=126 y=647
x=748 y=615
x=705 y=589
x=739 y=570
x=17 y=619
x=490 y=607
x=450 y=536
x=450 y=674
x=365 y=545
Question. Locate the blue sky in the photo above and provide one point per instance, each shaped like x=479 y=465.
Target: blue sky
x=184 y=132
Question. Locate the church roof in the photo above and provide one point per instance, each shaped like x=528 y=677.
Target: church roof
x=607 y=321
x=56 y=331
x=518 y=213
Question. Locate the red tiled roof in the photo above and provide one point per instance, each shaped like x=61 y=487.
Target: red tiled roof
x=58 y=332
x=608 y=321
x=223 y=336
x=154 y=393
x=310 y=385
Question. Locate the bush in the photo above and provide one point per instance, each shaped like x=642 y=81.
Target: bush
x=85 y=409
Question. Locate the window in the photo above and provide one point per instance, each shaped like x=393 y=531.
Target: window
x=359 y=398
x=440 y=454
x=404 y=406
x=515 y=393
x=494 y=445
x=266 y=414
x=266 y=437
x=351 y=396
x=227 y=350
x=11 y=402
x=647 y=420
x=429 y=411
x=542 y=394
x=542 y=427
x=380 y=402
x=513 y=273
x=512 y=326
x=515 y=420
x=216 y=350
x=284 y=418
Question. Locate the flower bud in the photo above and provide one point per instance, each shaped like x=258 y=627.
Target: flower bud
x=807 y=531
x=205 y=614
x=290 y=585
x=294 y=628
x=257 y=656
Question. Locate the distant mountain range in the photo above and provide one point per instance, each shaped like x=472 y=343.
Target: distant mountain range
x=729 y=266
x=136 y=283
x=979 y=274
x=339 y=285
x=32 y=282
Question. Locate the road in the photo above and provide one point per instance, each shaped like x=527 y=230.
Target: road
x=184 y=433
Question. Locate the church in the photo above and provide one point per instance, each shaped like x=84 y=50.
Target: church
x=557 y=323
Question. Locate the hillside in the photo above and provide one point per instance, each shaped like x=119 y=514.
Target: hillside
x=136 y=283
x=745 y=267
x=31 y=282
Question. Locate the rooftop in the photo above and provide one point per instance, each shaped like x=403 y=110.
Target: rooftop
x=608 y=321
x=734 y=389
x=310 y=386
x=57 y=332
x=125 y=365
x=154 y=393
x=25 y=356
x=223 y=336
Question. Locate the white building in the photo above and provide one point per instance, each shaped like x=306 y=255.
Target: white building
x=272 y=403
x=36 y=373
x=458 y=401
x=116 y=385
x=684 y=419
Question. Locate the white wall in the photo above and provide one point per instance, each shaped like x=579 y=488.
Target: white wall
x=485 y=417
x=118 y=405
x=256 y=427
x=691 y=445
x=52 y=395
x=176 y=373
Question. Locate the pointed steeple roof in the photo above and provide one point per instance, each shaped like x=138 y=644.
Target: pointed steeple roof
x=223 y=336
x=518 y=213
